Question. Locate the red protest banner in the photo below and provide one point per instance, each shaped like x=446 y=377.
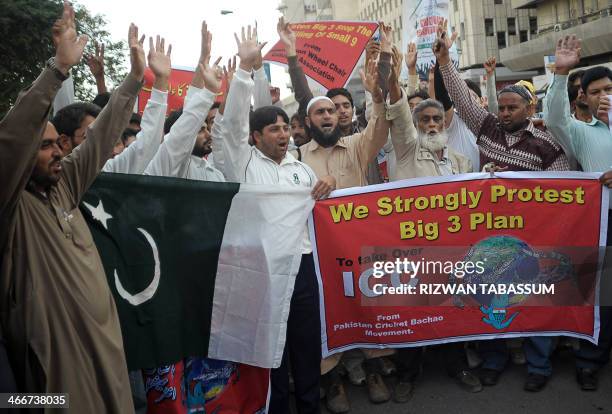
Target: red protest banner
x=328 y=50
x=518 y=231
x=178 y=84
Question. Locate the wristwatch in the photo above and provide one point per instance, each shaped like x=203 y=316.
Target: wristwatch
x=53 y=66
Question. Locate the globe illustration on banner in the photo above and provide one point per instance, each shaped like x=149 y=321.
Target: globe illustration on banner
x=507 y=260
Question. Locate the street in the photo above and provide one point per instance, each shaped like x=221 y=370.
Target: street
x=436 y=393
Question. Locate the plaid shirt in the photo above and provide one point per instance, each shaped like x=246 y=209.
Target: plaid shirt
x=528 y=149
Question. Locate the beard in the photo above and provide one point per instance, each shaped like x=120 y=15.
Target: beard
x=433 y=142
x=201 y=151
x=325 y=139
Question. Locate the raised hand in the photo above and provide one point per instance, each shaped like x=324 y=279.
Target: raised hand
x=567 y=54
x=396 y=66
x=68 y=46
x=159 y=62
x=229 y=70
x=369 y=78
x=212 y=76
x=443 y=43
x=372 y=51
x=287 y=36
x=385 y=32
x=248 y=48
x=137 y=54
x=411 y=58
x=158 y=58
x=206 y=44
x=96 y=61
x=489 y=65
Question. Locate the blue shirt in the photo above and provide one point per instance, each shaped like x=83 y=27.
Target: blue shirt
x=590 y=142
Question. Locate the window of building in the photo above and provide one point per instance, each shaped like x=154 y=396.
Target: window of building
x=455 y=5
x=533 y=25
x=523 y=36
x=400 y=20
x=489 y=31
x=501 y=40
x=511 y=26
x=499 y=1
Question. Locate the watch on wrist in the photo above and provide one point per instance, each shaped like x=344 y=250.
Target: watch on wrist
x=51 y=64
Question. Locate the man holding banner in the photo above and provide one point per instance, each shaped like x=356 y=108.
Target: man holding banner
x=423 y=152
x=532 y=150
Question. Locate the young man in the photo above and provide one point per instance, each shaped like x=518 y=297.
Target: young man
x=187 y=139
x=592 y=145
x=72 y=121
x=347 y=158
x=58 y=315
x=267 y=162
x=298 y=130
x=508 y=140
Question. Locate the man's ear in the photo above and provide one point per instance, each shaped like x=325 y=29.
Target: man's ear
x=307 y=121
x=256 y=137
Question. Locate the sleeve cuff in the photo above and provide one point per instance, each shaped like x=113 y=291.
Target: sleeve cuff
x=559 y=81
x=396 y=109
x=208 y=94
x=385 y=57
x=378 y=109
x=131 y=85
x=157 y=96
x=292 y=61
x=260 y=74
x=446 y=69
x=243 y=75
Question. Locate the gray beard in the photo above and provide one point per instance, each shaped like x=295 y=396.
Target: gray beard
x=433 y=143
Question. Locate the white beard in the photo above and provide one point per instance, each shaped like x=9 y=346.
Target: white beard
x=433 y=143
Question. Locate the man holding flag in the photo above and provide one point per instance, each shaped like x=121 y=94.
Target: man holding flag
x=57 y=313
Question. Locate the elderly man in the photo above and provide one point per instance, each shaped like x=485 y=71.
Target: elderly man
x=423 y=151
x=421 y=148
x=57 y=313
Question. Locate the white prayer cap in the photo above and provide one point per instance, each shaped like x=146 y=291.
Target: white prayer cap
x=317 y=99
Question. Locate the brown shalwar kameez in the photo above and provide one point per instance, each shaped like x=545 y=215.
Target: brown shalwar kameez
x=57 y=313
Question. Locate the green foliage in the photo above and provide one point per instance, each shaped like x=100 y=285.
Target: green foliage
x=25 y=26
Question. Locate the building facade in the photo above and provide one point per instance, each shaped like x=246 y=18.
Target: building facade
x=589 y=20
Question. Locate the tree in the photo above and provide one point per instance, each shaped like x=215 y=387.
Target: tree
x=25 y=26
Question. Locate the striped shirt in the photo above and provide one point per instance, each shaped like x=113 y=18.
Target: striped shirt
x=527 y=149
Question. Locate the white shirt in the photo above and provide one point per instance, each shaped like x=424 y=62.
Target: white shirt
x=173 y=158
x=463 y=141
x=247 y=164
x=135 y=158
x=203 y=170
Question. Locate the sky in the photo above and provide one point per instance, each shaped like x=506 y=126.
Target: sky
x=179 y=22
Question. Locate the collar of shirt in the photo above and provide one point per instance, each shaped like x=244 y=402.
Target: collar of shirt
x=288 y=159
x=314 y=145
x=201 y=163
x=425 y=154
x=595 y=121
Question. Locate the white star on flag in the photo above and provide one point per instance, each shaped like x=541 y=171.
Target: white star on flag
x=99 y=213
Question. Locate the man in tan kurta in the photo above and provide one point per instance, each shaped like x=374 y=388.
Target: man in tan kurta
x=57 y=314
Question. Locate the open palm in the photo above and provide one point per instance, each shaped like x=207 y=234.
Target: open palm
x=567 y=54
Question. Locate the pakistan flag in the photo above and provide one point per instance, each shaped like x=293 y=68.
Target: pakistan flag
x=198 y=268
